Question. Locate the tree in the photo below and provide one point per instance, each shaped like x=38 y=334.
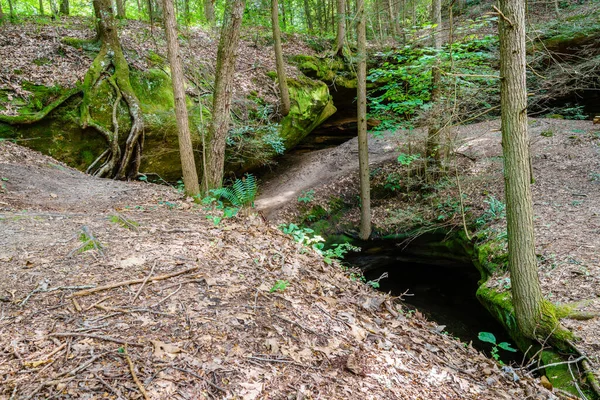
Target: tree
x=535 y=316
x=41 y=7
x=64 y=7
x=209 y=11
x=120 y=8
x=309 y=22
x=283 y=87
x=432 y=150
x=217 y=130
x=190 y=175
x=341 y=27
x=115 y=162
x=363 y=145
x=1 y=13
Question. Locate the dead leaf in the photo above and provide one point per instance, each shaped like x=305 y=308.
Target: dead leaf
x=545 y=382
x=164 y=349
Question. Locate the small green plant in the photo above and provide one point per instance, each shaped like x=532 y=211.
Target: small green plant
x=306 y=197
x=337 y=252
x=124 y=222
x=407 y=159
x=496 y=210
x=547 y=133
x=279 y=286
x=488 y=337
x=242 y=193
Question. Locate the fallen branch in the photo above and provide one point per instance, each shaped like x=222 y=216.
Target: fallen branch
x=40 y=289
x=134 y=376
x=143 y=283
x=93 y=336
x=131 y=282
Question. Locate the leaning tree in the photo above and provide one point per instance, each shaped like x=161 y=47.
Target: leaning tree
x=122 y=158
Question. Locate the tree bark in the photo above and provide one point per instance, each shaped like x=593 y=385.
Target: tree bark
x=226 y=58
x=309 y=21
x=363 y=145
x=64 y=7
x=534 y=315
x=432 y=150
x=41 y=7
x=283 y=87
x=1 y=13
x=186 y=151
x=209 y=11
x=116 y=162
x=341 y=27
x=120 y=9
x=11 y=11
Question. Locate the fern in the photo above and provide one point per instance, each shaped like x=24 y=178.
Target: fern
x=241 y=193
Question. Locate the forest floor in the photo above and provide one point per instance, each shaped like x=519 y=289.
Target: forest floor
x=566 y=195
x=183 y=309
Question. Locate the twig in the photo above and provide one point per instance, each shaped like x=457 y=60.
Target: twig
x=40 y=289
x=134 y=376
x=143 y=283
x=93 y=336
x=504 y=17
x=278 y=360
x=559 y=363
x=168 y=297
x=131 y=282
x=299 y=326
x=102 y=300
x=109 y=386
x=201 y=377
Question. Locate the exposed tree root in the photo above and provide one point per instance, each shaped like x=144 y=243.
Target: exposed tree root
x=117 y=161
x=38 y=116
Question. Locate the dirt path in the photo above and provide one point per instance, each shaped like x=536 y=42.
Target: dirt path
x=303 y=171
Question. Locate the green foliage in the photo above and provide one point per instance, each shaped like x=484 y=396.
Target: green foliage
x=307 y=196
x=488 y=337
x=496 y=210
x=403 y=81
x=242 y=193
x=279 y=286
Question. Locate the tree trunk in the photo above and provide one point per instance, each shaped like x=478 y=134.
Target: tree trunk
x=64 y=7
x=283 y=87
x=393 y=19
x=432 y=150
x=120 y=9
x=41 y=7
x=186 y=151
x=1 y=13
x=535 y=317
x=11 y=11
x=309 y=22
x=283 y=15
x=110 y=64
x=209 y=11
x=226 y=57
x=363 y=145
x=341 y=27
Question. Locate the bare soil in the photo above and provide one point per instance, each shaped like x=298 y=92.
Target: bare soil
x=206 y=323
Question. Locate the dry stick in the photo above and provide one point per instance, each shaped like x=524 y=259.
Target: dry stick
x=134 y=376
x=109 y=386
x=131 y=282
x=93 y=336
x=143 y=283
x=102 y=300
x=168 y=297
x=201 y=377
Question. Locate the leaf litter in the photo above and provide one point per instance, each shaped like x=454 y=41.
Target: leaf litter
x=186 y=311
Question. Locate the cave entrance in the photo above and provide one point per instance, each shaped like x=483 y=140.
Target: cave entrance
x=439 y=283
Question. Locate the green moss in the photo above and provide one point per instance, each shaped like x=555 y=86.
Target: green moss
x=558 y=375
x=311 y=105
x=329 y=70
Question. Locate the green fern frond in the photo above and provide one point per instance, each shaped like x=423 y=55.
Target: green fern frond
x=241 y=193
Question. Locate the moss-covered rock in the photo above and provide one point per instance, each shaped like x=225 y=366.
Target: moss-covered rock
x=333 y=71
x=311 y=105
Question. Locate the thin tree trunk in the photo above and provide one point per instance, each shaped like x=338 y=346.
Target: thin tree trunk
x=283 y=87
x=363 y=145
x=393 y=19
x=1 y=13
x=432 y=150
x=556 y=8
x=190 y=175
x=11 y=11
x=404 y=22
x=341 y=27
x=309 y=22
x=283 y=15
x=209 y=11
x=64 y=7
x=226 y=58
x=534 y=316
x=41 y=7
